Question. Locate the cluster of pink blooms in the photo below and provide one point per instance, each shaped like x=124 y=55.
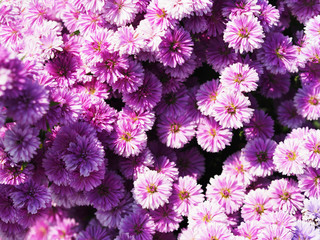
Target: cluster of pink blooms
x=159 y=119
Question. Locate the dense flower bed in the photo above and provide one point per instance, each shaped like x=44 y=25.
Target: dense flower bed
x=159 y=119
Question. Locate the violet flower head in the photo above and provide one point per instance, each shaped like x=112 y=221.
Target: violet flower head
x=310 y=211
x=274 y=85
x=177 y=9
x=288 y=116
x=307 y=102
x=120 y=12
x=168 y=168
x=211 y=136
x=108 y=194
x=305 y=230
x=94 y=232
x=311 y=148
x=231 y=109
x=308 y=182
x=277 y=54
x=214 y=231
x=152 y=190
x=304 y=10
x=32 y=196
x=275 y=232
x=244 y=33
x=175 y=48
x=269 y=15
x=21 y=142
x=143 y=119
x=228 y=192
x=235 y=8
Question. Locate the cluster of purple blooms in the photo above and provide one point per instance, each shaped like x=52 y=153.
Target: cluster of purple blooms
x=106 y=119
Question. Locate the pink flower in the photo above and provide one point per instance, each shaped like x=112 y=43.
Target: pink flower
x=152 y=190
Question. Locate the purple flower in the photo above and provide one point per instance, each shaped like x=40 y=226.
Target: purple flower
x=166 y=219
x=259 y=153
x=275 y=232
x=143 y=119
x=309 y=182
x=147 y=96
x=278 y=54
x=249 y=229
x=231 y=109
x=260 y=126
x=120 y=12
x=166 y=167
x=66 y=196
x=108 y=194
x=94 y=232
x=32 y=196
x=21 y=142
x=15 y=174
x=138 y=225
x=186 y=194
x=175 y=131
x=177 y=9
x=211 y=136
x=240 y=77
x=307 y=102
x=304 y=10
x=279 y=218
x=305 y=230
x=288 y=116
x=127 y=140
x=8 y=213
x=312 y=28
x=152 y=190
x=310 y=211
x=274 y=85
x=311 y=148
x=175 y=48
x=65 y=227
x=285 y=195
x=269 y=16
x=87 y=183
x=288 y=157
x=244 y=33
x=128 y=41
x=235 y=8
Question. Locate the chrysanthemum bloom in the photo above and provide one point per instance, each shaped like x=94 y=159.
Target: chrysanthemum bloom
x=166 y=219
x=309 y=182
x=237 y=166
x=158 y=16
x=260 y=125
x=231 y=109
x=185 y=70
x=39 y=230
x=274 y=85
x=112 y=218
x=131 y=79
x=144 y=119
x=278 y=54
x=311 y=148
x=128 y=41
x=207 y=95
x=32 y=196
x=271 y=232
x=228 y=192
x=166 y=167
x=244 y=33
x=207 y=213
x=94 y=232
x=310 y=211
x=288 y=116
x=29 y=104
x=87 y=183
x=120 y=12
x=158 y=149
x=152 y=190
x=305 y=230
x=90 y=22
x=307 y=102
x=214 y=231
x=304 y=10
x=190 y=163
x=285 y=195
x=259 y=153
x=8 y=213
x=21 y=142
x=240 y=77
x=109 y=68
x=219 y=55
x=312 y=29
x=269 y=15
x=175 y=131
x=127 y=140
x=138 y=225
x=188 y=233
x=235 y=8
x=256 y=204
x=173 y=103
x=175 y=48
x=15 y=174
x=108 y=194
x=186 y=194
x=299 y=133
x=12 y=230
x=195 y=24
x=280 y=218
x=67 y=107
x=288 y=157
x=211 y=136
x=66 y=227
x=249 y=229
x=177 y=9
x=147 y=96
x=66 y=196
